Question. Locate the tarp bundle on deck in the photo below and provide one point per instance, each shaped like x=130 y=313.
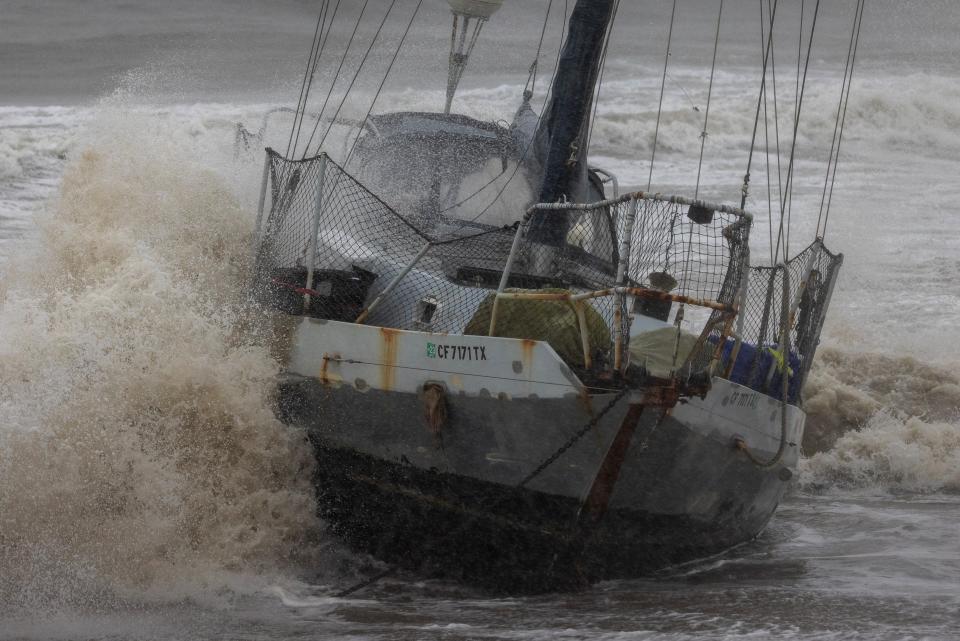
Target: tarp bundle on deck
x=552 y=321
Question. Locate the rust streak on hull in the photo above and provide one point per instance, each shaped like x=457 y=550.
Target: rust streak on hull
x=527 y=347
x=325 y=375
x=598 y=499
x=389 y=339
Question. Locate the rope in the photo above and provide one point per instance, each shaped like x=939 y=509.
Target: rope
x=459 y=239
x=314 y=44
x=547 y=462
x=530 y=145
x=323 y=44
x=301 y=103
x=766 y=143
x=531 y=85
x=841 y=118
x=579 y=434
x=475 y=192
x=663 y=84
x=603 y=66
x=796 y=98
x=703 y=142
x=353 y=81
x=336 y=77
x=706 y=116
x=796 y=127
x=528 y=90
x=383 y=82
x=745 y=190
x=776 y=134
x=326 y=37
x=686 y=95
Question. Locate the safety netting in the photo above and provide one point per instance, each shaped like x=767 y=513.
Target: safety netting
x=330 y=248
x=780 y=322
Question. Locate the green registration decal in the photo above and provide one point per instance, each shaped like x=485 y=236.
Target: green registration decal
x=457 y=352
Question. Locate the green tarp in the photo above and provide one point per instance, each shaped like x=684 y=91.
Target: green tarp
x=553 y=321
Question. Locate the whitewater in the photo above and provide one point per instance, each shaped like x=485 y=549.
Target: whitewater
x=147 y=491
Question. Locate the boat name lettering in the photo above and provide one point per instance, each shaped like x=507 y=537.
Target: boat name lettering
x=457 y=352
x=745 y=399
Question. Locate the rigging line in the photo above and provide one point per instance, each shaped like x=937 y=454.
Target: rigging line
x=603 y=66
x=766 y=140
x=333 y=16
x=386 y=75
x=853 y=61
x=841 y=109
x=303 y=84
x=539 y=119
x=756 y=120
x=314 y=43
x=356 y=75
x=776 y=123
x=326 y=37
x=324 y=34
x=336 y=77
x=313 y=71
x=796 y=95
x=663 y=84
x=530 y=145
x=685 y=94
x=796 y=127
x=796 y=98
x=843 y=89
x=532 y=80
x=703 y=144
x=479 y=234
x=373 y=102
x=453 y=37
x=706 y=115
x=475 y=193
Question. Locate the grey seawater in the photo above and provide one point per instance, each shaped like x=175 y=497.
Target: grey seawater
x=828 y=568
x=110 y=113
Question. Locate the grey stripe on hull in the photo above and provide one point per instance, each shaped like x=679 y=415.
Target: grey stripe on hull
x=486 y=438
x=685 y=464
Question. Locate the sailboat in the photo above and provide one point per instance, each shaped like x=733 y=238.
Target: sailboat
x=511 y=374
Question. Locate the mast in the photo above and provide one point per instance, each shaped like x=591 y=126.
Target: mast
x=564 y=128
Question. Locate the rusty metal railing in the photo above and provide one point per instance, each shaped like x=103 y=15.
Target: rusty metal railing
x=728 y=311
x=578 y=299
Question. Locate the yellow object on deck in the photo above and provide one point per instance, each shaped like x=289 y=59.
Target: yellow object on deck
x=552 y=321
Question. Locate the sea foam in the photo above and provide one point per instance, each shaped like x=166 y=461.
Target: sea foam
x=139 y=451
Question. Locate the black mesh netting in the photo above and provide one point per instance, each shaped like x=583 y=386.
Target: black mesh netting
x=794 y=296
x=331 y=248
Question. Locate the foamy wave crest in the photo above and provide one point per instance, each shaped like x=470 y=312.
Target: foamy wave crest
x=881 y=421
x=139 y=454
x=908 y=112
x=889 y=452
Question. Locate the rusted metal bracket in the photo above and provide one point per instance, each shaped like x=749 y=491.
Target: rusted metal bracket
x=595 y=505
x=598 y=499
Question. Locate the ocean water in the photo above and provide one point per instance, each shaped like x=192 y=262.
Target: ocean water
x=148 y=492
